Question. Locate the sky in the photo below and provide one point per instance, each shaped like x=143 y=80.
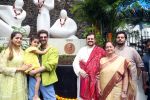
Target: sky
x=145 y=4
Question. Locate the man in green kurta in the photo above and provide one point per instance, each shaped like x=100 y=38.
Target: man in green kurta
x=48 y=70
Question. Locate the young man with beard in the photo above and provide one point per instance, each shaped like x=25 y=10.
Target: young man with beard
x=146 y=60
x=132 y=55
x=86 y=66
x=48 y=63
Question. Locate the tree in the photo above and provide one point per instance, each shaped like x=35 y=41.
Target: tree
x=102 y=14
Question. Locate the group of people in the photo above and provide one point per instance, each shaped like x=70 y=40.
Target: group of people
x=110 y=74
x=116 y=72
x=16 y=65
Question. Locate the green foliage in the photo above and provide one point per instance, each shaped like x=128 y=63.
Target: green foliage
x=102 y=14
x=20 y=29
x=87 y=30
x=25 y=43
x=100 y=40
x=86 y=10
x=2 y=48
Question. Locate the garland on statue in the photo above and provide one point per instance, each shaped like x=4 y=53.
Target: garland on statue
x=62 y=22
x=15 y=11
x=40 y=5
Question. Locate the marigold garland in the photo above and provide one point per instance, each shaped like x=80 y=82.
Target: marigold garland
x=63 y=98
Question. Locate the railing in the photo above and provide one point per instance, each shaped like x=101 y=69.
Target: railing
x=138 y=42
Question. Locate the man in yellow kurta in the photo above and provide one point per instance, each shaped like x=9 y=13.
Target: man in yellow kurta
x=48 y=70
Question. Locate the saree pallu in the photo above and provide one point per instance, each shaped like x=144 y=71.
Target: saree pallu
x=111 y=79
x=88 y=85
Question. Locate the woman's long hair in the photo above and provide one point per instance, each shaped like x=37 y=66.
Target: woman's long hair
x=10 y=46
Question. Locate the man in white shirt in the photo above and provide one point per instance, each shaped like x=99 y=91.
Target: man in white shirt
x=86 y=66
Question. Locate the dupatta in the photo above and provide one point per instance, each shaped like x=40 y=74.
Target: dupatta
x=88 y=85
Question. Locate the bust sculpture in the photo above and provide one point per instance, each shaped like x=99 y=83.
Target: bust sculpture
x=64 y=27
x=11 y=18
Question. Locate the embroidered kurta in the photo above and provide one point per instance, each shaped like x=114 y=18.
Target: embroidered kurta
x=13 y=86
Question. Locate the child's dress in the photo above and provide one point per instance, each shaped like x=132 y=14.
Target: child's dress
x=31 y=58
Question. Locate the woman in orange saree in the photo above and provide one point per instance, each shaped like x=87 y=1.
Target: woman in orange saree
x=114 y=81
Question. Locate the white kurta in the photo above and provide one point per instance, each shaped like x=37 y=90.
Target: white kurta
x=83 y=55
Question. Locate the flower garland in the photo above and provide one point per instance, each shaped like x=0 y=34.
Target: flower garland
x=40 y=5
x=15 y=11
x=63 y=98
x=62 y=23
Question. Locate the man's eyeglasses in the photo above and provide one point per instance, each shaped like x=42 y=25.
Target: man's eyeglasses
x=41 y=37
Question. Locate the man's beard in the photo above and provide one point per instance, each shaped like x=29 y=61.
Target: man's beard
x=90 y=44
x=43 y=42
x=120 y=44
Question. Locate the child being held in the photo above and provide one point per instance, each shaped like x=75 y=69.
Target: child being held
x=31 y=57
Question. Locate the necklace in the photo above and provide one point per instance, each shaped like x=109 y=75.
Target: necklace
x=62 y=22
x=17 y=12
x=40 y=5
